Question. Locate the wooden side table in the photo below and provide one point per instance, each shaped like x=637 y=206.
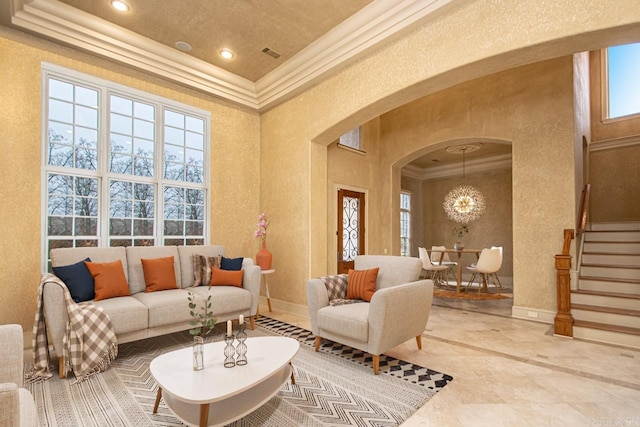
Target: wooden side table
x=264 y=274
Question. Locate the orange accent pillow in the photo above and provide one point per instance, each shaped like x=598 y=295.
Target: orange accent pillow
x=159 y=274
x=109 y=279
x=362 y=284
x=221 y=277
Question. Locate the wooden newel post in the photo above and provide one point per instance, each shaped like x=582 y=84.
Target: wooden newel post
x=563 y=322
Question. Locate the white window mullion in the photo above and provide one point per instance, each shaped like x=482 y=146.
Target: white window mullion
x=103 y=153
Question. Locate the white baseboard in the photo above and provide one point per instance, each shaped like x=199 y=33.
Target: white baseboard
x=297 y=309
x=533 y=314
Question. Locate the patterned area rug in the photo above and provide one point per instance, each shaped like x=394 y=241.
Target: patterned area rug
x=335 y=386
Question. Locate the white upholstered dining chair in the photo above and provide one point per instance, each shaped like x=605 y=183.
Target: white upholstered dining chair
x=488 y=264
x=437 y=273
x=437 y=252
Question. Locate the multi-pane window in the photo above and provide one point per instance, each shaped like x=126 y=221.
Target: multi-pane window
x=122 y=167
x=623 y=80
x=405 y=223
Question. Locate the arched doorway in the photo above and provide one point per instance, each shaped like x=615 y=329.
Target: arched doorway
x=428 y=177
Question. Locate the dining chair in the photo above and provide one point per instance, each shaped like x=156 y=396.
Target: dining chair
x=494 y=275
x=437 y=253
x=434 y=271
x=488 y=263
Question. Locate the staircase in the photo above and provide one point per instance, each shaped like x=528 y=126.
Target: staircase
x=606 y=303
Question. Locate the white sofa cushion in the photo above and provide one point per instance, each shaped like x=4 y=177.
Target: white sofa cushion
x=166 y=307
x=126 y=313
x=225 y=299
x=349 y=320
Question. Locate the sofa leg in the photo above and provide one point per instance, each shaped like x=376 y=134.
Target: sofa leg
x=376 y=364
x=252 y=320
x=419 y=342
x=317 y=343
x=61 y=373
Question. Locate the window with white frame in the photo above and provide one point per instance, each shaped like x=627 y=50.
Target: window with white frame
x=121 y=167
x=405 y=223
x=623 y=80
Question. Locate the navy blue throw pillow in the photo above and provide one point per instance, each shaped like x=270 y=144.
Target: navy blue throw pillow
x=78 y=280
x=231 y=264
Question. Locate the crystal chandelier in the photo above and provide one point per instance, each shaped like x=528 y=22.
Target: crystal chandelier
x=464 y=203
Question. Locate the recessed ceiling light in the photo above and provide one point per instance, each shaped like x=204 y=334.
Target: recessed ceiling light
x=227 y=54
x=120 y=6
x=183 y=46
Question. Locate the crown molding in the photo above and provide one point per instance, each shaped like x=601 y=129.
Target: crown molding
x=614 y=143
x=474 y=166
x=378 y=22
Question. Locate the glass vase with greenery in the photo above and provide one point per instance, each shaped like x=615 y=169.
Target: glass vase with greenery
x=202 y=318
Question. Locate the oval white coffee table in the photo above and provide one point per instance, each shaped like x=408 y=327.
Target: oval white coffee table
x=217 y=395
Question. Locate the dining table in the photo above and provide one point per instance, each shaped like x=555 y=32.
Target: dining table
x=459 y=252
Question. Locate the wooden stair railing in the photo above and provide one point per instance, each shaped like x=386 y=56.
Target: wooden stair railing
x=563 y=322
x=584 y=209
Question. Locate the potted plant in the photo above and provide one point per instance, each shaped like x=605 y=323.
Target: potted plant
x=203 y=323
x=459 y=232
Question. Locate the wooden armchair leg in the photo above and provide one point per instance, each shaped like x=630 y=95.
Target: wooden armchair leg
x=376 y=364
x=316 y=345
x=252 y=320
x=419 y=342
x=61 y=372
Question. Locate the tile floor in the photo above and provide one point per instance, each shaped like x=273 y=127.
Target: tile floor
x=511 y=372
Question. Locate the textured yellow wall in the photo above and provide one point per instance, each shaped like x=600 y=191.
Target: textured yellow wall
x=235 y=163
x=531 y=107
x=430 y=59
x=614 y=190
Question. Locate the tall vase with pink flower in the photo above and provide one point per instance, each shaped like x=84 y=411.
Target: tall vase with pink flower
x=263 y=257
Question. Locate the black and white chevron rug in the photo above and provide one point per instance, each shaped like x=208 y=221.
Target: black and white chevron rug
x=334 y=387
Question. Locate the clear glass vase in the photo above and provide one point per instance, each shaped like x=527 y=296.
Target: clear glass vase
x=198 y=353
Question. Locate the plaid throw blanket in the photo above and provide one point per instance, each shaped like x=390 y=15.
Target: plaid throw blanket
x=89 y=342
x=337 y=289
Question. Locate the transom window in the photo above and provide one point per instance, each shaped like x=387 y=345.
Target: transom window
x=351 y=139
x=405 y=223
x=121 y=167
x=623 y=80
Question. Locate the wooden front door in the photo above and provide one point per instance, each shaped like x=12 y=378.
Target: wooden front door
x=350 y=228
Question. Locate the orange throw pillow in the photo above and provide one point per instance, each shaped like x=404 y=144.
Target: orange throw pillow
x=362 y=284
x=159 y=274
x=109 y=279
x=221 y=277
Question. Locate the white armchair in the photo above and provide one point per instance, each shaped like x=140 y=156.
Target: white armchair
x=17 y=407
x=398 y=311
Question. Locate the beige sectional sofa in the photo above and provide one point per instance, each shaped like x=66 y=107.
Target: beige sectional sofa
x=144 y=315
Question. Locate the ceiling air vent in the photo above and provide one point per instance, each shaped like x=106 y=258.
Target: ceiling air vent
x=271 y=53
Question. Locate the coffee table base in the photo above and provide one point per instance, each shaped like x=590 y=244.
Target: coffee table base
x=227 y=410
